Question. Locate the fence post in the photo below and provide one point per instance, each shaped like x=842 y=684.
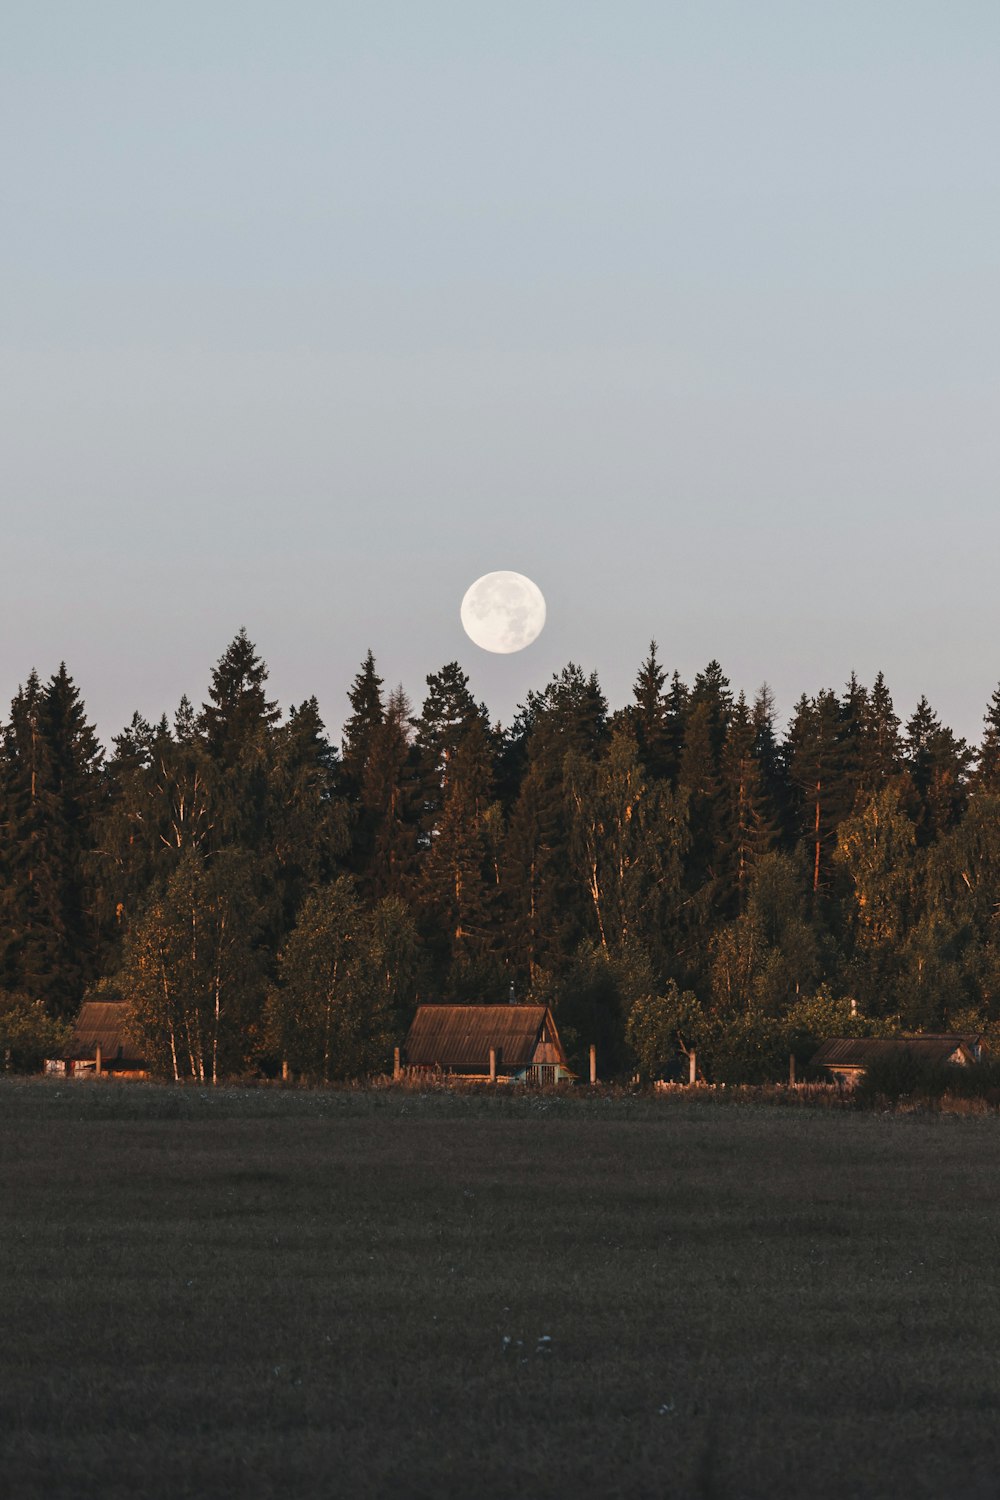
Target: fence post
x=397 y=1068
x=98 y=1059
x=692 y=1066
x=593 y=1064
x=791 y=1069
x=493 y=1065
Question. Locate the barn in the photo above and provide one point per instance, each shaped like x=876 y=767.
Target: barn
x=512 y=1043
x=100 y=1043
x=846 y=1058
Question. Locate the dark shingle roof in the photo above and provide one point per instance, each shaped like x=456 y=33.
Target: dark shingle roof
x=101 y=1023
x=858 y=1052
x=460 y=1036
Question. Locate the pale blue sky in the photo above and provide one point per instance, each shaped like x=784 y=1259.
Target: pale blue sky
x=312 y=313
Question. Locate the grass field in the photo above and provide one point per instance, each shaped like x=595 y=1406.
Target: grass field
x=280 y=1293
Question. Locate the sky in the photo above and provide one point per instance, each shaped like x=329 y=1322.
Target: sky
x=312 y=313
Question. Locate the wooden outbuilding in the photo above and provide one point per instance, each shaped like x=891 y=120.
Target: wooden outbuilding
x=510 y=1043
x=100 y=1044
x=846 y=1058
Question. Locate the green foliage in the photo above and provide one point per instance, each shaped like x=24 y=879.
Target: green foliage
x=192 y=973
x=660 y=1027
x=28 y=1034
x=814 y=1018
x=592 y=1000
x=903 y=1074
x=745 y=1048
x=346 y=978
x=677 y=847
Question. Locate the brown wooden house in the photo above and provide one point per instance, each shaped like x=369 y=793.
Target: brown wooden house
x=846 y=1058
x=512 y=1043
x=100 y=1044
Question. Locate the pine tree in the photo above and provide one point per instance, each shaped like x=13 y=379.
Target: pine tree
x=390 y=804
x=939 y=766
x=698 y=778
x=237 y=729
x=854 y=716
x=457 y=893
x=711 y=689
x=987 y=778
x=650 y=719
x=448 y=716
x=546 y=905
x=769 y=757
x=51 y=786
x=308 y=820
x=822 y=795
x=127 y=845
x=881 y=749
x=746 y=818
x=239 y=712
x=677 y=704
x=367 y=713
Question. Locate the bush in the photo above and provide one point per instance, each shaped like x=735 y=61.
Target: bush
x=660 y=1028
x=748 y=1048
x=905 y=1074
x=28 y=1034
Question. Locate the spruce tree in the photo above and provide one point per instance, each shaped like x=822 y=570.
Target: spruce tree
x=747 y=825
x=390 y=804
x=650 y=719
x=457 y=892
x=822 y=795
x=237 y=727
x=939 y=766
x=881 y=748
x=309 y=831
x=51 y=786
x=711 y=689
x=547 y=906
x=987 y=778
x=238 y=712
x=367 y=713
x=448 y=716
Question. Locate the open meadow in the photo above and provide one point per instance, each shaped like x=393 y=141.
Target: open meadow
x=266 y=1292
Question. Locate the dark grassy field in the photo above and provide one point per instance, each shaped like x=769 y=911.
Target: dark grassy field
x=265 y=1293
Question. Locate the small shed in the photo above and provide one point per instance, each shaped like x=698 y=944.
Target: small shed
x=100 y=1043
x=846 y=1058
x=514 y=1043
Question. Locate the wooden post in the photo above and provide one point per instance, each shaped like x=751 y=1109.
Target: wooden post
x=791 y=1069
x=286 y=1071
x=397 y=1067
x=593 y=1064
x=692 y=1066
x=493 y=1065
x=98 y=1059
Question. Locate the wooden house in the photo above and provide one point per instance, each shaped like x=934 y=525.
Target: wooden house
x=510 y=1043
x=100 y=1044
x=846 y=1058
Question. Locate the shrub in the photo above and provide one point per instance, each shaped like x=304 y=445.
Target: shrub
x=28 y=1034
x=904 y=1074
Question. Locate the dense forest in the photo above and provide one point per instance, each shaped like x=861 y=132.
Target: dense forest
x=671 y=874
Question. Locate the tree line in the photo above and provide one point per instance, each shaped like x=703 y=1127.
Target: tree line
x=671 y=873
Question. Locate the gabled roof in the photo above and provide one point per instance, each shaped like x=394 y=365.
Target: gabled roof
x=101 y=1023
x=460 y=1036
x=858 y=1052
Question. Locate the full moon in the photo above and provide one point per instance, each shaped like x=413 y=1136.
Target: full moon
x=503 y=612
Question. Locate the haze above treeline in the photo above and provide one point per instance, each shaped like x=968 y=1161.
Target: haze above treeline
x=257 y=893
